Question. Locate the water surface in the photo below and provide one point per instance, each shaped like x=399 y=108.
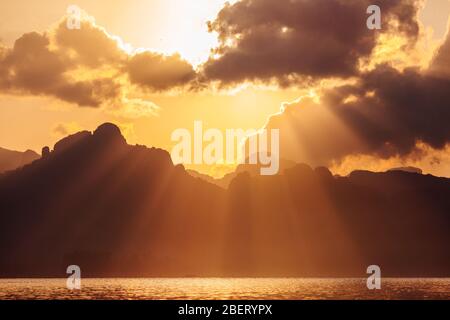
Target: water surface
x=225 y=288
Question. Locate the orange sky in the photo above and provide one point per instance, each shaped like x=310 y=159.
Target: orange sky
x=30 y=121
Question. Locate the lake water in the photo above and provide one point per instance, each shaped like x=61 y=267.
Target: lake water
x=218 y=288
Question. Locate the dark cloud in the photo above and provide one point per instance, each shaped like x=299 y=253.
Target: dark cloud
x=287 y=39
x=31 y=67
x=387 y=113
x=406 y=107
x=158 y=72
x=89 y=93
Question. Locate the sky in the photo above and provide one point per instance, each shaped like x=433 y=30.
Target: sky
x=335 y=88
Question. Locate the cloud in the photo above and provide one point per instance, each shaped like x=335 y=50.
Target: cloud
x=440 y=64
x=386 y=113
x=64 y=129
x=159 y=72
x=436 y=162
x=135 y=108
x=407 y=107
x=90 y=68
x=90 y=45
x=32 y=67
x=261 y=40
x=286 y=40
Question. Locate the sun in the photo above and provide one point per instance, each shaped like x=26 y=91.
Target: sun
x=185 y=29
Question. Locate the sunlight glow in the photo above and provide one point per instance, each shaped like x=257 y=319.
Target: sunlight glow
x=187 y=32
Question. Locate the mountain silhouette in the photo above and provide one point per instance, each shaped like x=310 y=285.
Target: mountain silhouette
x=10 y=160
x=252 y=169
x=120 y=210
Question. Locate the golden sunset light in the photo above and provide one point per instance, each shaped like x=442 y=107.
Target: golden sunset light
x=174 y=30
x=214 y=149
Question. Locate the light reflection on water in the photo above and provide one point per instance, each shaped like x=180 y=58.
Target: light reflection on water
x=225 y=288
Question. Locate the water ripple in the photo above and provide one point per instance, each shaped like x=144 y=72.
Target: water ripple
x=225 y=288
